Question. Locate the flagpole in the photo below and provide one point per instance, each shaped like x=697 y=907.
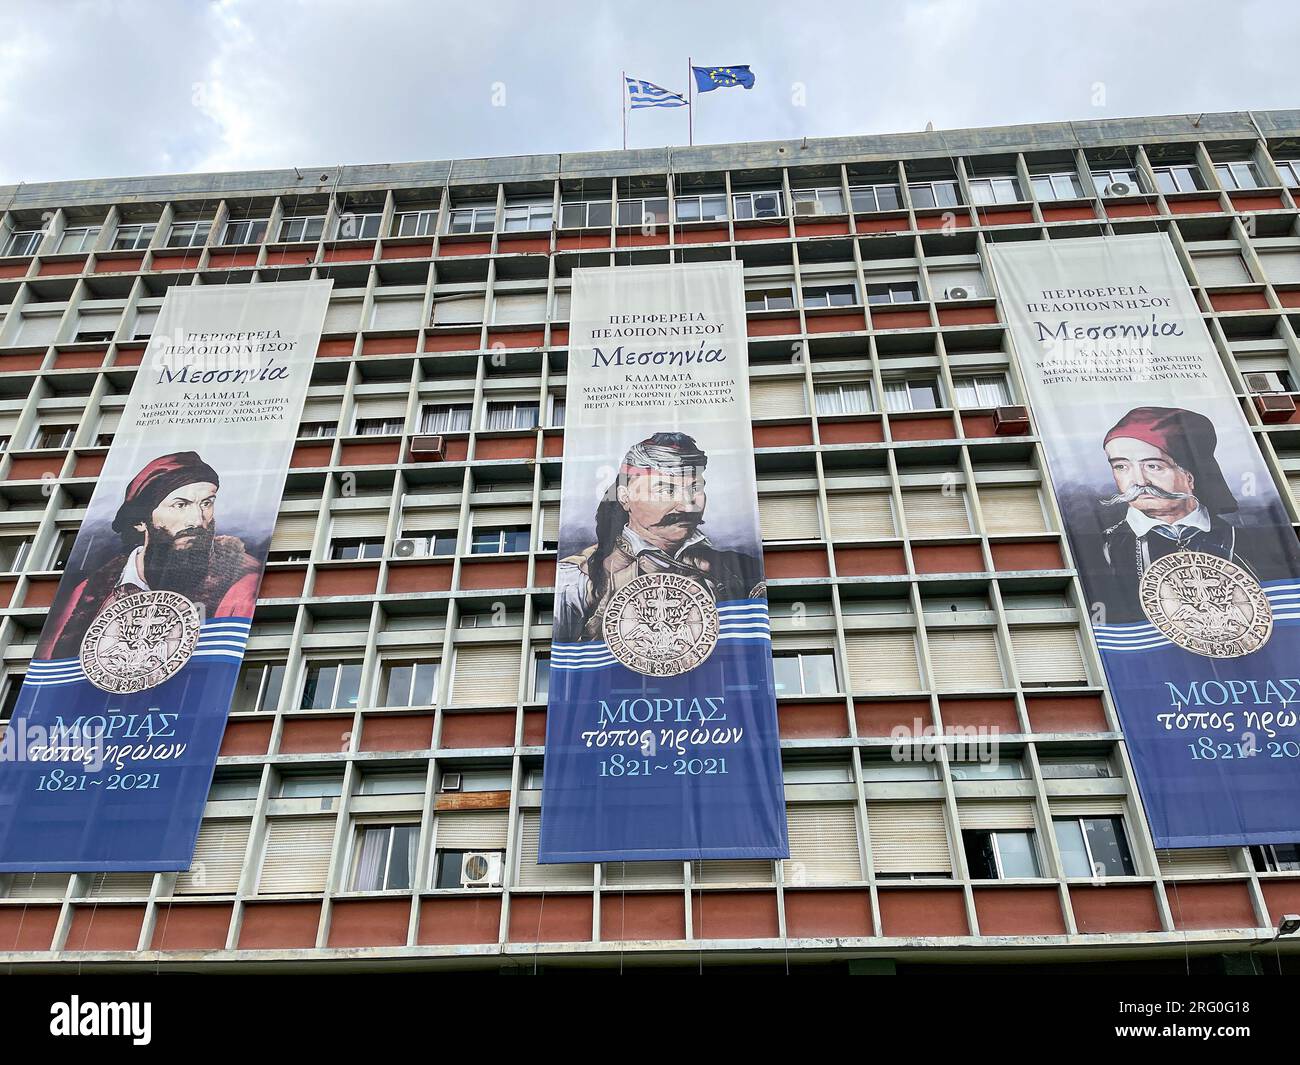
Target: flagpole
x=622 y=103
x=690 y=106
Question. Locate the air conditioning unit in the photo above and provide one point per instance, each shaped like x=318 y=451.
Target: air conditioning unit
x=450 y=782
x=1264 y=381
x=1118 y=188
x=1011 y=421
x=957 y=292
x=480 y=869
x=767 y=206
x=805 y=208
x=409 y=548
x=426 y=448
x=1275 y=407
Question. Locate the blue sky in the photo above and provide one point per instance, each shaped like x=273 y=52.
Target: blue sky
x=91 y=88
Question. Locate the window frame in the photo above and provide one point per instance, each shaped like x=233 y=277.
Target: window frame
x=516 y=407
x=800 y=655
x=249 y=226
x=1070 y=178
x=23 y=243
x=840 y=389
x=358 y=847
x=586 y=206
x=979 y=380
x=1121 y=834
x=88 y=234
x=339 y=666
x=819 y=195
x=994 y=185
x=644 y=217
x=698 y=200
x=1102 y=179
x=478 y=214
x=385 y=682
x=369 y=548
x=452 y=410
x=949 y=186
x=894 y=188
x=531 y=213
x=754 y=216
x=1229 y=170
x=426 y=223
x=197 y=226
x=501 y=534
x=265 y=684
x=1172 y=171
x=999 y=871
x=891 y=289
x=364 y=218
x=145 y=232
x=910 y=385
x=378 y=426
x=306 y=220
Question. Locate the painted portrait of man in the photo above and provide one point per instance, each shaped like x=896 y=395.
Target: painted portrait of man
x=167 y=526
x=1175 y=497
x=648 y=522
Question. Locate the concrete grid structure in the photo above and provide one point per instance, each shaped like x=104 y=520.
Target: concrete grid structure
x=391 y=714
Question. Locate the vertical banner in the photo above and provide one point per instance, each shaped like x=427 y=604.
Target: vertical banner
x=661 y=733
x=109 y=757
x=1184 y=548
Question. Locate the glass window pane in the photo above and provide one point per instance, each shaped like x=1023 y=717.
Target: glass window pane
x=887 y=197
x=397 y=689
x=349 y=685
x=1017 y=854
x=1074 y=855
x=945 y=193
x=319 y=687
x=785 y=669
x=981 y=191
x=599 y=214
x=924 y=394
x=401 y=857
x=1043 y=188
x=922 y=195
x=819 y=674
x=1108 y=845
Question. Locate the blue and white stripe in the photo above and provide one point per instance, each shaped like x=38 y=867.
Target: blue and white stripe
x=1283 y=597
x=220 y=638
x=648 y=94
x=743 y=619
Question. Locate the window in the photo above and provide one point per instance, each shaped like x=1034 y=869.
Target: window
x=933 y=193
x=82 y=238
x=189 y=234
x=711 y=208
x=649 y=211
x=386 y=857
x=1061 y=185
x=416 y=224
x=233 y=787
x=354 y=547
x=432 y=543
x=134 y=237
x=472 y=220
x=881 y=767
x=409 y=683
x=499 y=541
x=259 y=686
x=805 y=673
x=865 y=198
x=848 y=397
x=310 y=785
x=455 y=867
x=1181 y=178
x=913 y=393
x=358 y=226
x=304 y=228
x=1289 y=171
x=1272 y=858
x=93 y=336
x=541 y=687
x=982 y=390
x=13 y=552
x=1093 y=846
x=24 y=242
x=511 y=415
x=830 y=295
x=758 y=205
x=379 y=426
x=62 y=549
x=559 y=410
x=1075 y=767
x=590 y=214
x=13 y=685
x=331 y=686
x=392 y=782
x=894 y=292
x=317 y=430
x=1004 y=189
x=1000 y=855
x=827 y=201
x=527 y=216
x=769 y=299
x=1104 y=179
x=244 y=231
x=446 y=418
x=1002 y=769
x=54 y=436
x=1242 y=175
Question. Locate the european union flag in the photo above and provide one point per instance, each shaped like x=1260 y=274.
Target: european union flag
x=709 y=78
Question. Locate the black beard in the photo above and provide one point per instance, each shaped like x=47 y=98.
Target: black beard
x=171 y=569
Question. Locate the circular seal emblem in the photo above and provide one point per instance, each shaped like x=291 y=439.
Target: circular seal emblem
x=661 y=624
x=1206 y=604
x=140 y=641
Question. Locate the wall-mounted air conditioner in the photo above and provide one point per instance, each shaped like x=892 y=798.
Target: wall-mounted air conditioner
x=481 y=869
x=409 y=548
x=806 y=208
x=1118 y=188
x=958 y=292
x=426 y=448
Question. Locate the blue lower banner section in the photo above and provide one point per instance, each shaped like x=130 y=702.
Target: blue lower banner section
x=1214 y=741
x=115 y=782
x=679 y=768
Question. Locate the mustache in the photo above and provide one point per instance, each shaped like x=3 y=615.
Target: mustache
x=680 y=518
x=1137 y=491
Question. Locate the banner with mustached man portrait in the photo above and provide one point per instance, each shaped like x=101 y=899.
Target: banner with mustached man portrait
x=107 y=762
x=661 y=731
x=1184 y=547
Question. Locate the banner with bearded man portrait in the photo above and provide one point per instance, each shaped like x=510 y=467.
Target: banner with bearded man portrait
x=661 y=738
x=108 y=761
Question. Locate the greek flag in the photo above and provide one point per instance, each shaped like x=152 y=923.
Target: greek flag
x=648 y=94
